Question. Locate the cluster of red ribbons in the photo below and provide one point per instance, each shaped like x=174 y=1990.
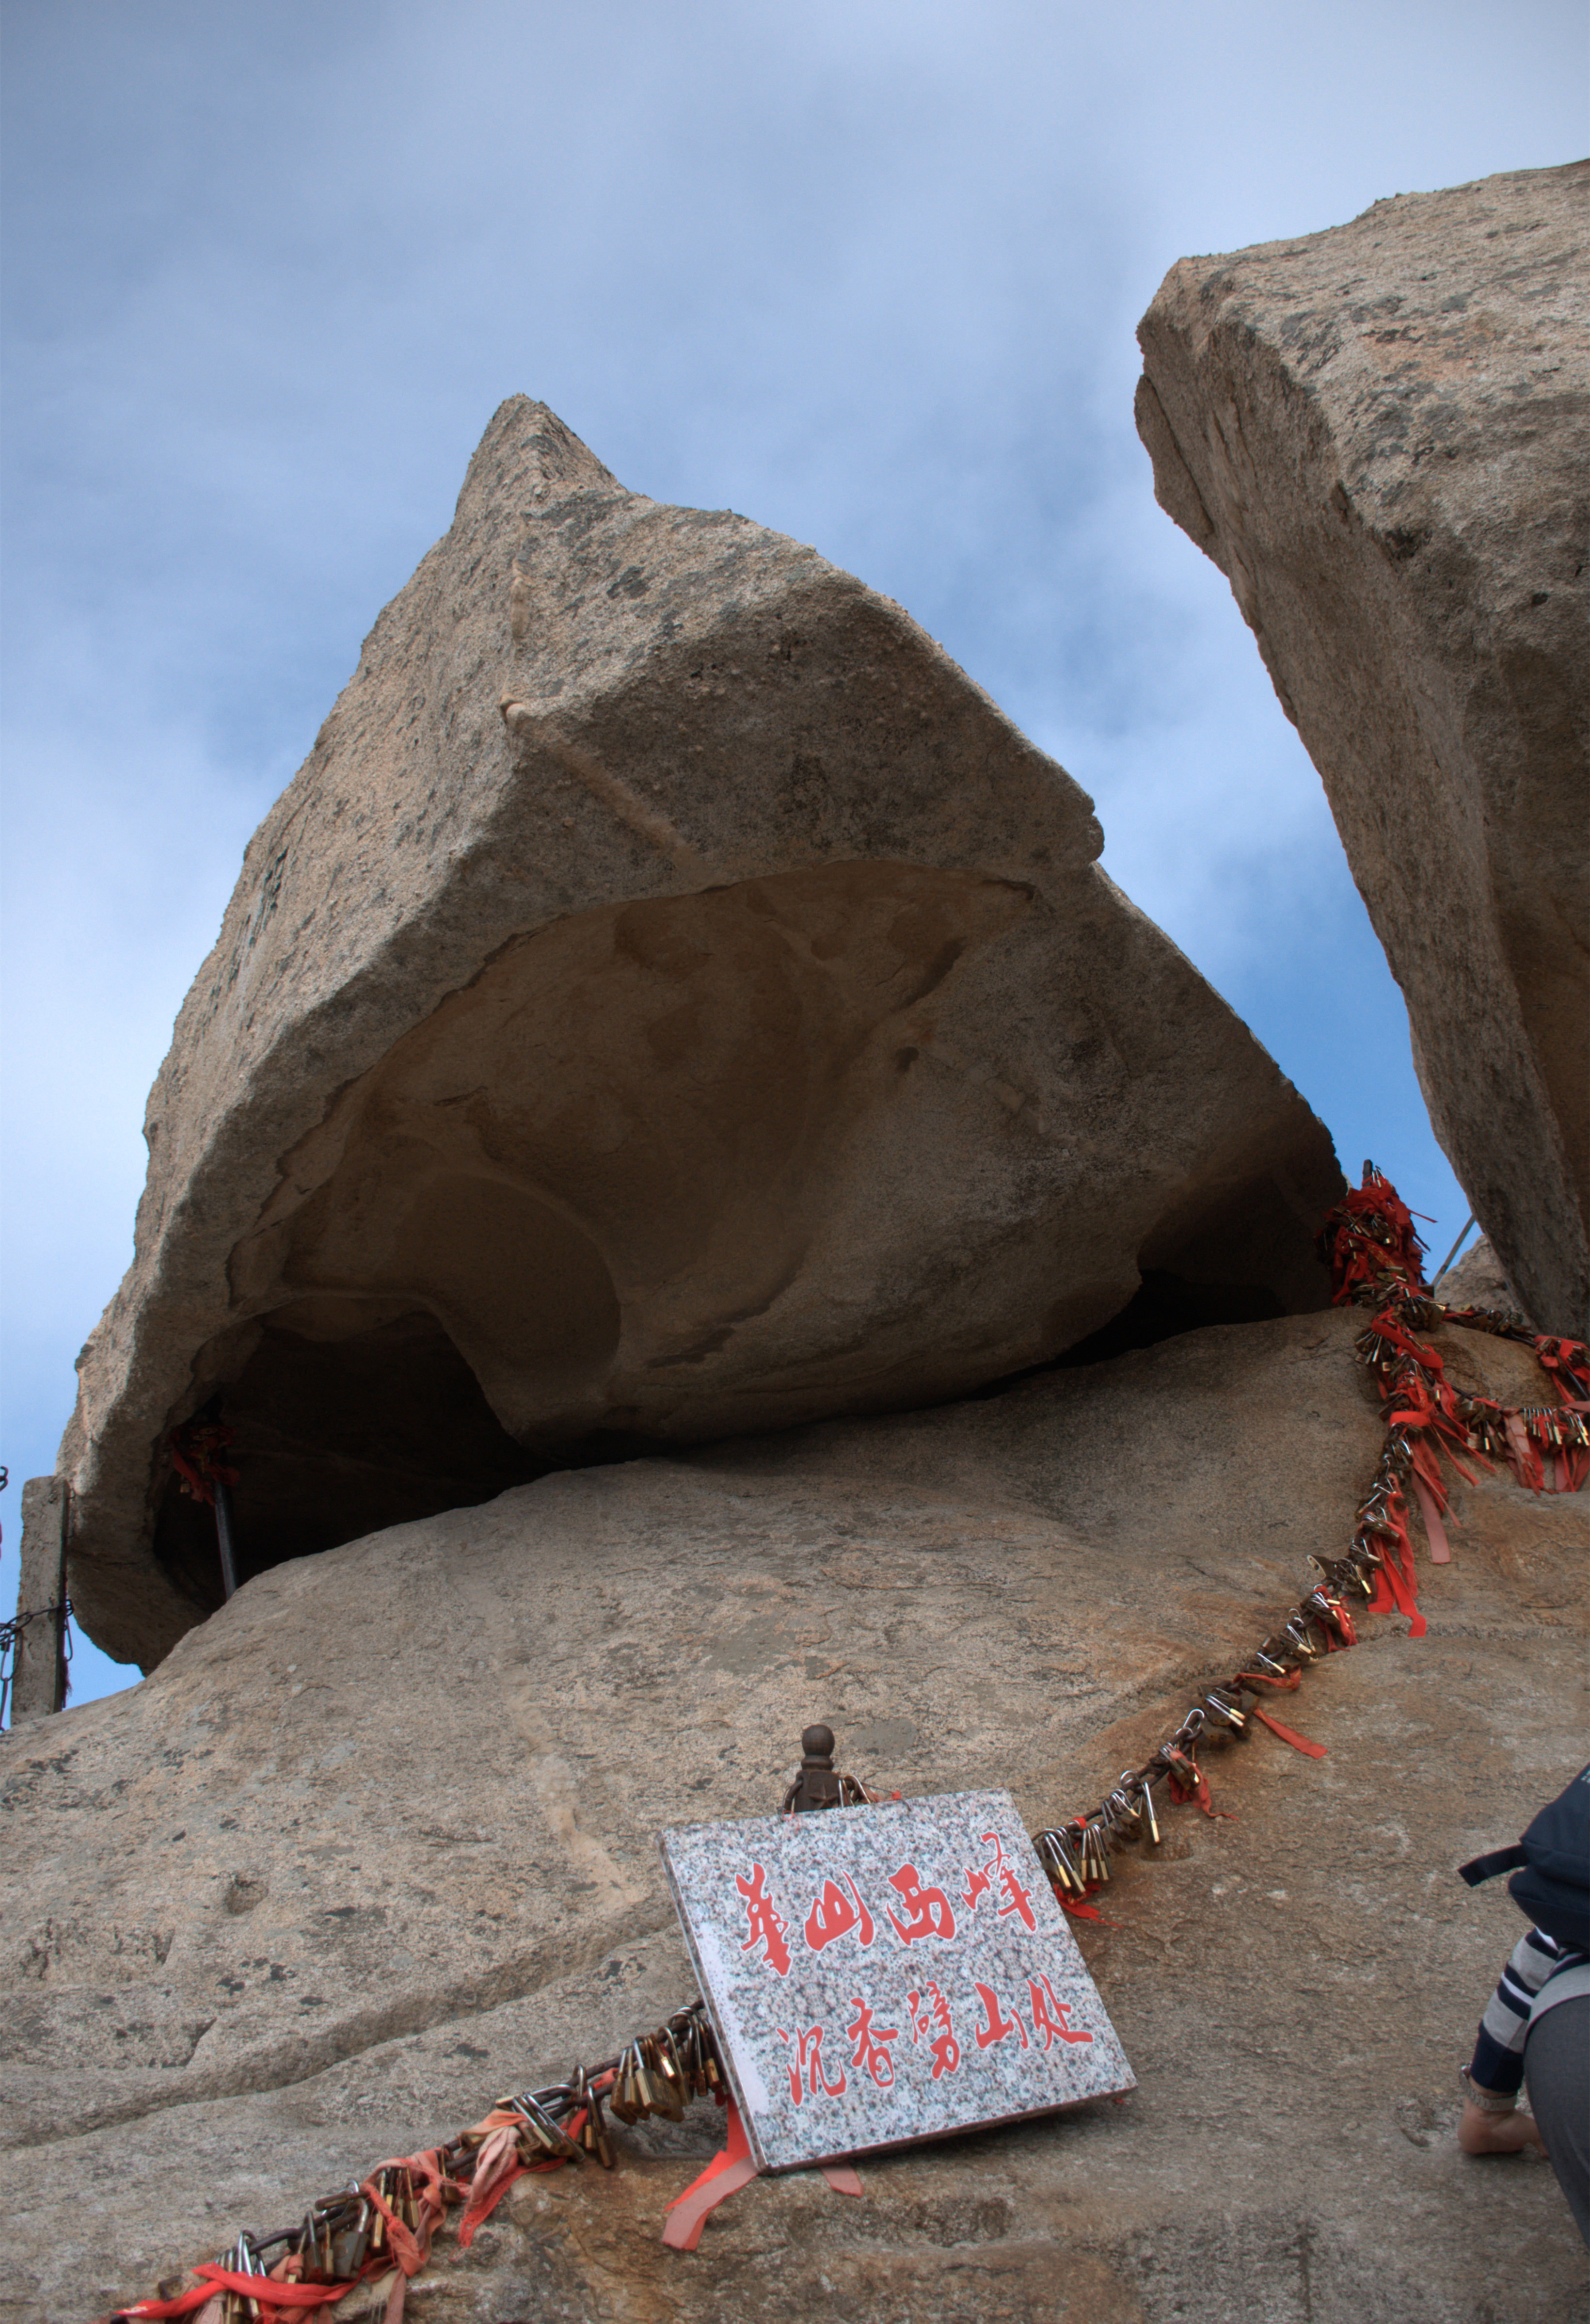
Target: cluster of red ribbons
x=195 y=1450
x=1369 y=1234
x=476 y=2169
x=1374 y=1254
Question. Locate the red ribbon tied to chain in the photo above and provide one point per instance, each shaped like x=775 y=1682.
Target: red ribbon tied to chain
x=195 y=1450
x=267 y=2290
x=1370 y=1233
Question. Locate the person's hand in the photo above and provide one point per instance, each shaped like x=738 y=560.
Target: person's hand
x=1479 y=2133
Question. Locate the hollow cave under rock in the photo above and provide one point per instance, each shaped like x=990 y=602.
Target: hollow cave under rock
x=334 y=1439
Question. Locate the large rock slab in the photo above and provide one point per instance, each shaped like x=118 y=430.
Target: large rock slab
x=376 y=1842
x=1381 y=434
x=670 y=1000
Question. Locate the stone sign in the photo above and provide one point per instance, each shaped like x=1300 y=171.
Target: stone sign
x=882 y=1974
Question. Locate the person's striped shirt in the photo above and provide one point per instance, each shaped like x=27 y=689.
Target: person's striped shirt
x=1498 y=2061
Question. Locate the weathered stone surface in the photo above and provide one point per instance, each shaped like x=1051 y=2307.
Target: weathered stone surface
x=670 y=1000
x=1381 y=436
x=1477 y=1281
x=377 y=1841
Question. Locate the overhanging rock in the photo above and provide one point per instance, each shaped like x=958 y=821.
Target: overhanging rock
x=1381 y=436
x=670 y=1000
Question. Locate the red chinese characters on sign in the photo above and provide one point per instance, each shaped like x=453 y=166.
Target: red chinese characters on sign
x=981 y=1877
x=928 y=1909
x=979 y=1881
x=840 y=1910
x=805 y=2064
x=879 y=1978
x=931 y=2021
x=872 y=2052
x=996 y=2027
x=765 y=1926
x=836 y=1915
x=1050 y=2016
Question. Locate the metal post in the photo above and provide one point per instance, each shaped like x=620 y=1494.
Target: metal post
x=1446 y=1264
x=41 y=1647
x=225 y=1537
x=816 y=1786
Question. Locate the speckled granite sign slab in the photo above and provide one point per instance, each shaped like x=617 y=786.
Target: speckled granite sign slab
x=882 y=1974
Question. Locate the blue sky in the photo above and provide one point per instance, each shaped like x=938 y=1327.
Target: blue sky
x=867 y=272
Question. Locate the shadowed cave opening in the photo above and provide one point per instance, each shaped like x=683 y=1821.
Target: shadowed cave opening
x=336 y=1439
x=1164 y=1305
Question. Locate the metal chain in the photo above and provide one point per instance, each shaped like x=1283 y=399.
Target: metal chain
x=350 y=2233
x=11 y=1636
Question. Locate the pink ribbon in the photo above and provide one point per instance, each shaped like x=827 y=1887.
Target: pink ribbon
x=1440 y=1548
x=724 y=2175
x=1525 y=1460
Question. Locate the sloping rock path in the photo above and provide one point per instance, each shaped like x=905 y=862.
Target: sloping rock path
x=376 y=1842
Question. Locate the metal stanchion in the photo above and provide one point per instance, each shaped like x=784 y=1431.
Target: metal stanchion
x=223 y=1536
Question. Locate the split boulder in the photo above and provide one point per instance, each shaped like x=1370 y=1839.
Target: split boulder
x=671 y=1000
x=1381 y=434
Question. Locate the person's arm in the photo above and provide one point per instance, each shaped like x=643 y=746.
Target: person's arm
x=1494 y=2075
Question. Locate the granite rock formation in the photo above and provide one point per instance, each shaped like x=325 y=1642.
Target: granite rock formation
x=1381 y=434
x=671 y=1000
x=1477 y=1281
x=376 y=1843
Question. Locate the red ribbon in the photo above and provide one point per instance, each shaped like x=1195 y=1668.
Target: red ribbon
x=842 y=2178
x=1440 y=1548
x=1079 y=1909
x=1289 y=1735
x=266 y=2289
x=724 y=2175
x=1396 y=1575
x=1287 y=1685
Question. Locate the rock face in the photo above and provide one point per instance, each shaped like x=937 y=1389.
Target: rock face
x=1477 y=1280
x=671 y=1000
x=376 y=1843
x=1381 y=436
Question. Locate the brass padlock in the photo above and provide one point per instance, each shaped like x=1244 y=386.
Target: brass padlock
x=624 y=2099
x=1150 y=1820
